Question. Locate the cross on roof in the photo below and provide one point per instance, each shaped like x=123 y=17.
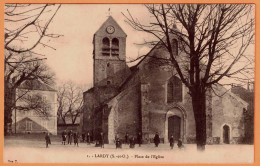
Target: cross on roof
x=109 y=12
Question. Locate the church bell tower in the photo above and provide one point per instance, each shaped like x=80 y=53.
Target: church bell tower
x=109 y=54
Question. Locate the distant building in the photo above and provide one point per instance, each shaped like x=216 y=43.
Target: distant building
x=68 y=121
x=150 y=98
x=36 y=108
x=247 y=95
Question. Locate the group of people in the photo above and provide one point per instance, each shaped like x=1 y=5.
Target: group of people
x=68 y=136
x=171 y=140
x=131 y=141
x=86 y=137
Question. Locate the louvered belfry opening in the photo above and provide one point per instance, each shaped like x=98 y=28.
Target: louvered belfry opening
x=106 y=47
x=115 y=47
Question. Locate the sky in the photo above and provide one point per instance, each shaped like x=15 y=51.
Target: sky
x=73 y=58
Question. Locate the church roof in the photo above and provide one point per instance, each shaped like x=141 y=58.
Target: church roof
x=35 y=85
x=111 y=21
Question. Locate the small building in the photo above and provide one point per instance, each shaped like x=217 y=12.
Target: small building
x=36 y=108
x=68 y=125
x=247 y=95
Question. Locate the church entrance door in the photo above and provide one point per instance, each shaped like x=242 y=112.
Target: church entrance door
x=174 y=127
x=226 y=132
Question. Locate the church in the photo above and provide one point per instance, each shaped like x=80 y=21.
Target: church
x=150 y=98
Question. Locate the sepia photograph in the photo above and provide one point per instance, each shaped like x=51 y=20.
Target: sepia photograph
x=129 y=83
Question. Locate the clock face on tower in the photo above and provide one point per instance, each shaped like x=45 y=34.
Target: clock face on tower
x=110 y=29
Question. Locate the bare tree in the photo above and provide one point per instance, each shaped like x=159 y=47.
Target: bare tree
x=33 y=102
x=26 y=30
x=26 y=26
x=17 y=71
x=70 y=102
x=213 y=43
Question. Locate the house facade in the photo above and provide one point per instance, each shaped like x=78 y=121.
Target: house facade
x=36 y=108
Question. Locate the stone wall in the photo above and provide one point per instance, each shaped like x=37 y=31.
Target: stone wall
x=110 y=72
x=125 y=112
x=154 y=79
x=227 y=110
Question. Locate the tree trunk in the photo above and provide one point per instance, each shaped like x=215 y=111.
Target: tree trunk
x=9 y=104
x=199 y=109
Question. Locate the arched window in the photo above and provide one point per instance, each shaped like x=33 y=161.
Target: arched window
x=175 y=47
x=174 y=90
x=106 y=42
x=115 y=47
x=115 y=43
x=106 y=46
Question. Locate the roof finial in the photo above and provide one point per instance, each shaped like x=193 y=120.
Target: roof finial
x=109 y=12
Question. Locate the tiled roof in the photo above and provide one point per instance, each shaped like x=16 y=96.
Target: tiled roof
x=35 y=85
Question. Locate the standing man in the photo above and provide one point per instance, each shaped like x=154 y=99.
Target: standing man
x=101 y=140
x=83 y=136
x=88 y=138
x=132 y=142
x=47 y=139
x=156 y=139
x=126 y=138
x=139 y=139
x=70 y=134
x=64 y=135
x=76 y=138
x=68 y=137
x=171 y=142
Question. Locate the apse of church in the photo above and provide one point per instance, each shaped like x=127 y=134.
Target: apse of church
x=150 y=98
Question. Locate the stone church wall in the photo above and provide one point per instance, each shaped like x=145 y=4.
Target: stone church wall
x=125 y=112
x=228 y=110
x=154 y=80
x=113 y=71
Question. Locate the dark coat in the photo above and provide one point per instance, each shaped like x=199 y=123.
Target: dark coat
x=139 y=138
x=76 y=137
x=180 y=144
x=88 y=138
x=83 y=137
x=171 y=141
x=118 y=143
x=156 y=139
x=101 y=139
x=126 y=138
x=47 y=139
x=132 y=143
x=63 y=134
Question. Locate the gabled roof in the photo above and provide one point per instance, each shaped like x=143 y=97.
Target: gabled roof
x=111 y=21
x=35 y=85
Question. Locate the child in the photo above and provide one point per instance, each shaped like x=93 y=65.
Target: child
x=180 y=146
x=64 y=135
x=118 y=142
x=171 y=142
